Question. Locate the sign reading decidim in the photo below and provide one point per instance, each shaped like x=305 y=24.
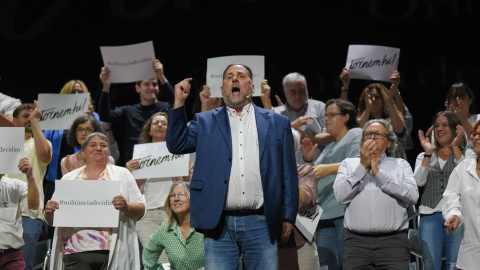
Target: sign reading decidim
x=12 y=141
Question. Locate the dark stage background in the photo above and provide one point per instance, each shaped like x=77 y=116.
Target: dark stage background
x=46 y=43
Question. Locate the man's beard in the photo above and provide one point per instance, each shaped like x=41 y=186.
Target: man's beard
x=236 y=104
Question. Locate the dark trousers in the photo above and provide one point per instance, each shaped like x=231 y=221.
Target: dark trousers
x=390 y=252
x=91 y=260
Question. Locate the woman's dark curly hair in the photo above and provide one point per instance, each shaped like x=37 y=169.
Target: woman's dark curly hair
x=72 y=132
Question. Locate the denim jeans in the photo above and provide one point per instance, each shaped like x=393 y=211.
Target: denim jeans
x=435 y=240
x=329 y=237
x=246 y=235
x=32 y=228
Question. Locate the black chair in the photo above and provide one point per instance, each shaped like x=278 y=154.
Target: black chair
x=42 y=254
x=414 y=237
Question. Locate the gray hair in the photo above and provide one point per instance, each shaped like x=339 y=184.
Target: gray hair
x=95 y=134
x=394 y=149
x=293 y=78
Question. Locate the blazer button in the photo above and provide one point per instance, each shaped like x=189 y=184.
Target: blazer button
x=229 y=159
x=225 y=182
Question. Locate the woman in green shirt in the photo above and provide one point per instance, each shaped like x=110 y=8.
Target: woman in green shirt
x=182 y=244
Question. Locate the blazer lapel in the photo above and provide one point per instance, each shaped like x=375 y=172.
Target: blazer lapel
x=263 y=124
x=221 y=117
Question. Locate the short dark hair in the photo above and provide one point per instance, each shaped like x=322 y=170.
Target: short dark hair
x=72 y=133
x=24 y=106
x=250 y=74
x=346 y=107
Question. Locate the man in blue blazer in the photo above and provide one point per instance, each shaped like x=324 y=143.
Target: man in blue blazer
x=244 y=188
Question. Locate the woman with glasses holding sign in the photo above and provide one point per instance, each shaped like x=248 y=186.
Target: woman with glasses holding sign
x=99 y=248
x=432 y=171
x=461 y=204
x=81 y=127
x=376 y=189
x=182 y=243
x=155 y=190
x=341 y=123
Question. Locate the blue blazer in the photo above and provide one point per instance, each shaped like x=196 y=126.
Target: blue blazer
x=209 y=136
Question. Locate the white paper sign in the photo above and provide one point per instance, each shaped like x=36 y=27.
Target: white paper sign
x=60 y=110
x=216 y=66
x=307 y=221
x=12 y=142
x=372 y=62
x=156 y=161
x=86 y=203
x=129 y=63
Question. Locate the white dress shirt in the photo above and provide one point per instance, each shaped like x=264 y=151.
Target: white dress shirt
x=462 y=199
x=12 y=192
x=376 y=204
x=245 y=185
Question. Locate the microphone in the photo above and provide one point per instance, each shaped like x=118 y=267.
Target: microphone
x=248 y=96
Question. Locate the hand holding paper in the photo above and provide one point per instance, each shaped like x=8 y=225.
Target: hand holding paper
x=301 y=121
x=345 y=78
x=104 y=76
x=25 y=166
x=37 y=113
x=133 y=210
x=50 y=208
x=133 y=164
x=158 y=67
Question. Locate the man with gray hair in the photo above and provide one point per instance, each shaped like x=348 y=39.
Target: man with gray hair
x=304 y=113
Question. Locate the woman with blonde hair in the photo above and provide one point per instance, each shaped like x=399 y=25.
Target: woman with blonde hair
x=78 y=87
x=182 y=243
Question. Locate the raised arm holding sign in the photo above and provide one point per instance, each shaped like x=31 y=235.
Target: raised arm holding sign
x=132 y=117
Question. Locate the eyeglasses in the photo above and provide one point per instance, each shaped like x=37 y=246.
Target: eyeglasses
x=87 y=130
x=331 y=115
x=156 y=123
x=474 y=134
x=181 y=195
x=376 y=134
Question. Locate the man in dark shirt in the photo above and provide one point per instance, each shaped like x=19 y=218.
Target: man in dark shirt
x=133 y=117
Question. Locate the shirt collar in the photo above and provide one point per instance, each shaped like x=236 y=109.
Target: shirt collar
x=381 y=158
x=245 y=110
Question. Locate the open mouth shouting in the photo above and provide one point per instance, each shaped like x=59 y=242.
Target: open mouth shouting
x=235 y=89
